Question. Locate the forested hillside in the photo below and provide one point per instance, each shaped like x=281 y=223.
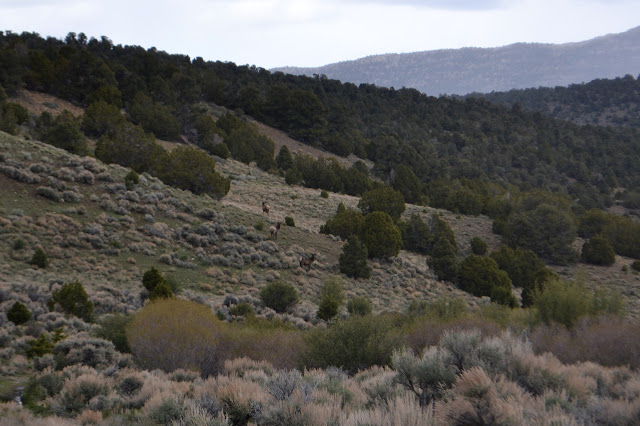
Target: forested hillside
x=473 y=141
x=602 y=102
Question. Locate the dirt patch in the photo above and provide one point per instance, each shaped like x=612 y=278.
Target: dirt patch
x=281 y=139
x=37 y=103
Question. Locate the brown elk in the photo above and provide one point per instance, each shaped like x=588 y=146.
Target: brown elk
x=265 y=208
x=305 y=262
x=274 y=231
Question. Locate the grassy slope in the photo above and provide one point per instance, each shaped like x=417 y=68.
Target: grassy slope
x=118 y=259
x=393 y=285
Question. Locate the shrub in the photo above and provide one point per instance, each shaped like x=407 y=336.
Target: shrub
x=279 y=296
x=113 y=328
x=131 y=179
x=129 y=146
x=293 y=176
x=63 y=132
x=359 y=306
x=481 y=276
x=636 y=265
x=478 y=246
x=81 y=349
x=380 y=235
x=598 y=251
x=19 y=244
x=189 y=168
x=546 y=230
x=353 y=344
x=288 y=220
x=525 y=270
x=173 y=333
x=242 y=309
x=353 y=260
x=18 y=314
x=161 y=291
x=324 y=194
x=562 y=302
x=40 y=346
x=73 y=300
x=219 y=150
x=39 y=259
x=384 y=199
x=331 y=297
x=427 y=377
x=345 y=223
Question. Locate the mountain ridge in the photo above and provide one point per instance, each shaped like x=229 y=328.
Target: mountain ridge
x=475 y=69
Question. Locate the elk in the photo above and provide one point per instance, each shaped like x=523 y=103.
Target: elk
x=265 y=208
x=305 y=262
x=274 y=231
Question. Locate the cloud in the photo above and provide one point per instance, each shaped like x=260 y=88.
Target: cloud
x=441 y=4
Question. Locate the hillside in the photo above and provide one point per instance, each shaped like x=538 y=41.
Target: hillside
x=516 y=66
x=472 y=145
x=219 y=254
x=601 y=102
x=142 y=283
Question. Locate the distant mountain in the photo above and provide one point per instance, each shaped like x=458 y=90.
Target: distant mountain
x=516 y=66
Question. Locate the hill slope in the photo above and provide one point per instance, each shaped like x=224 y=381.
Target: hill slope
x=601 y=102
x=520 y=65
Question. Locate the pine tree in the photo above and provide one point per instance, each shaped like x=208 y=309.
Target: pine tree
x=353 y=260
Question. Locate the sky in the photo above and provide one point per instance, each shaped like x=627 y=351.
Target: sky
x=309 y=33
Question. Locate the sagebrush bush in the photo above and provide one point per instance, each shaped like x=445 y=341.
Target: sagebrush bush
x=85 y=350
x=279 y=296
x=289 y=221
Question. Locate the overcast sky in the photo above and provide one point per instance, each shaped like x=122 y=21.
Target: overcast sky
x=271 y=33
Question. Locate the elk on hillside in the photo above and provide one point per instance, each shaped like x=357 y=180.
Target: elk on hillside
x=305 y=262
x=274 y=231
x=265 y=208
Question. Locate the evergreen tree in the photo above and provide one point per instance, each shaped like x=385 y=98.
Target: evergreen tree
x=598 y=251
x=443 y=260
x=381 y=236
x=353 y=260
x=284 y=159
x=18 y=314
